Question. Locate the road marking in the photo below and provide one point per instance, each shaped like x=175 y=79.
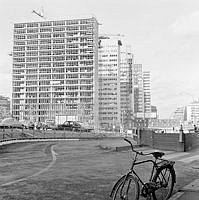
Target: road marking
x=189 y=159
x=53 y=153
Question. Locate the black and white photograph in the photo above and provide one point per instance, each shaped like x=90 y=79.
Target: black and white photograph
x=99 y=100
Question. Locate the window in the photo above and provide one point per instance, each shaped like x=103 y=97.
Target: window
x=42 y=24
x=58 y=47
x=32 y=42
x=48 y=35
x=31 y=59
x=58 y=58
x=18 y=54
x=58 y=64
x=19 y=31
x=59 y=41
x=19 y=25
x=45 y=64
x=35 y=30
x=18 y=65
x=44 y=47
x=18 y=59
x=57 y=35
x=32 y=36
x=59 y=23
x=58 y=52
x=29 y=48
x=45 y=70
x=19 y=42
x=44 y=53
x=31 y=65
x=32 y=25
x=45 y=59
x=19 y=37
x=45 y=41
x=32 y=53
x=58 y=29
x=45 y=30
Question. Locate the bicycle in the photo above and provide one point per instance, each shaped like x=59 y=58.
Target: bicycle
x=160 y=185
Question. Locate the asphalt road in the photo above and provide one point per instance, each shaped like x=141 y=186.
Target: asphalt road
x=68 y=170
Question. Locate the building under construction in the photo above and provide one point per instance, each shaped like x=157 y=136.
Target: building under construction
x=55 y=70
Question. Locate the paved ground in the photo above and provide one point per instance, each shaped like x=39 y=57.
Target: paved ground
x=73 y=170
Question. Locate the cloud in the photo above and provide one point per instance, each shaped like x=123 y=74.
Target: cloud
x=187 y=25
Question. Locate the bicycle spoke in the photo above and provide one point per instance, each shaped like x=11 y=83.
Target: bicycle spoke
x=128 y=190
x=165 y=184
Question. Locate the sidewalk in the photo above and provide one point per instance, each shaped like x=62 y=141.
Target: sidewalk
x=188 y=192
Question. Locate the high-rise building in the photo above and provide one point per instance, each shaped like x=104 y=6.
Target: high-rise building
x=55 y=70
x=115 y=82
x=4 y=107
x=192 y=112
x=142 y=92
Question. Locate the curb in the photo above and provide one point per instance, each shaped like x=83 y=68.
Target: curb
x=191 y=187
x=36 y=140
x=176 y=196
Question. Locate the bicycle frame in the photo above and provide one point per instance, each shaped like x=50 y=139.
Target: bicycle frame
x=157 y=163
x=132 y=171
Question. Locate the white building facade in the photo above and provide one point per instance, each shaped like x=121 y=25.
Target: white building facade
x=142 y=92
x=55 y=70
x=115 y=82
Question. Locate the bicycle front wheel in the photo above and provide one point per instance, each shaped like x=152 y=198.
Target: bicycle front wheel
x=164 y=179
x=127 y=189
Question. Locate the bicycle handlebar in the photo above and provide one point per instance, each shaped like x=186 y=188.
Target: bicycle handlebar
x=140 y=153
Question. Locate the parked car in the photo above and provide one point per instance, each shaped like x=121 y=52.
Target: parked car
x=73 y=126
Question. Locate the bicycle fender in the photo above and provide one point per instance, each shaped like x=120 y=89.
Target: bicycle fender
x=116 y=184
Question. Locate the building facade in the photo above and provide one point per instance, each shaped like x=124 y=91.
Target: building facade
x=180 y=114
x=141 y=92
x=192 y=112
x=115 y=83
x=4 y=107
x=55 y=70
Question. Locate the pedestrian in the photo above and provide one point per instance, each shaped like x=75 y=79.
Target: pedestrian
x=195 y=128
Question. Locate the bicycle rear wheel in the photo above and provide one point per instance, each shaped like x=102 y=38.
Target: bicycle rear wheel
x=130 y=190
x=165 y=179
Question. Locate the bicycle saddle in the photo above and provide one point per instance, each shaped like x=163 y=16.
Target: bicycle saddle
x=158 y=154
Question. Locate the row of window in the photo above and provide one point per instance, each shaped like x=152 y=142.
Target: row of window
x=55 y=52
x=54 y=23
x=53 y=41
x=53 y=35
x=57 y=64
x=72 y=29
x=55 y=58
x=88 y=46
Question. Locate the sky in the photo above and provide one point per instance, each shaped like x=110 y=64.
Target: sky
x=164 y=35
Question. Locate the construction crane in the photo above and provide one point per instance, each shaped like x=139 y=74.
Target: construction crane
x=40 y=14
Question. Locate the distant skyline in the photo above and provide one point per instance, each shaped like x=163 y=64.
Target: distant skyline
x=164 y=35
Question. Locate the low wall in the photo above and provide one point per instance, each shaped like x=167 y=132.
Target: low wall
x=191 y=141
x=164 y=141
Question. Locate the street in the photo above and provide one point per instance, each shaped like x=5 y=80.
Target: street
x=73 y=170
